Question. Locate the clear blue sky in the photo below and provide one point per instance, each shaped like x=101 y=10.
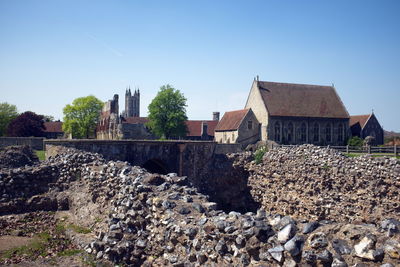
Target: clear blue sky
x=54 y=51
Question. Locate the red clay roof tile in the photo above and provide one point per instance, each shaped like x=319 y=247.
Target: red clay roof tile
x=231 y=120
x=53 y=127
x=194 y=127
x=302 y=100
x=362 y=119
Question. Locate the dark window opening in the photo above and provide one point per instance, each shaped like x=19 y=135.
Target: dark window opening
x=340 y=134
x=277 y=131
x=303 y=134
x=290 y=132
x=316 y=132
x=328 y=132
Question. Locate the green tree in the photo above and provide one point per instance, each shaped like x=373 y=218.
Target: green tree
x=81 y=117
x=167 y=113
x=8 y=112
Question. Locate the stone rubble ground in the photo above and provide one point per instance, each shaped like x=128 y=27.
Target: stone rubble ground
x=16 y=156
x=315 y=183
x=143 y=219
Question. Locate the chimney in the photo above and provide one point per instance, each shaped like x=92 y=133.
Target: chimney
x=216 y=116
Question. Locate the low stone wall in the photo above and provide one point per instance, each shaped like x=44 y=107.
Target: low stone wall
x=35 y=143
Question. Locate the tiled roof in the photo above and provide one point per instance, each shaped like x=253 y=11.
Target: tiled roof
x=231 y=120
x=135 y=120
x=53 y=127
x=302 y=100
x=362 y=119
x=194 y=127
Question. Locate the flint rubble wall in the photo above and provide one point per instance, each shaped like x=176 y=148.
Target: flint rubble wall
x=162 y=220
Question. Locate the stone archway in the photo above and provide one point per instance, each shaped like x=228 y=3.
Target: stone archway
x=156 y=166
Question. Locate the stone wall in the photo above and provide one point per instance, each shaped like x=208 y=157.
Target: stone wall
x=35 y=143
x=136 y=131
x=182 y=157
x=256 y=103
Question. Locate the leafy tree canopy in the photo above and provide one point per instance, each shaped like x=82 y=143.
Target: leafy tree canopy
x=81 y=117
x=8 y=112
x=27 y=124
x=167 y=113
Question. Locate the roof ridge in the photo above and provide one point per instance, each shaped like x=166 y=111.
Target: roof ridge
x=305 y=84
x=232 y=111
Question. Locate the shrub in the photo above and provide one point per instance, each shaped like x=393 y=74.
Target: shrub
x=355 y=141
x=259 y=154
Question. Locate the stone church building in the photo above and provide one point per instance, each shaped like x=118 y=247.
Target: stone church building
x=299 y=113
x=132 y=104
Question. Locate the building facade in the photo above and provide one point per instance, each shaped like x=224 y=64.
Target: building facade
x=367 y=125
x=238 y=127
x=299 y=113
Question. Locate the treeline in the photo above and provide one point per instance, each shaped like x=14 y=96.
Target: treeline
x=25 y=124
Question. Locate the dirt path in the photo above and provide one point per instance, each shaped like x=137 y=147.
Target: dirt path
x=8 y=241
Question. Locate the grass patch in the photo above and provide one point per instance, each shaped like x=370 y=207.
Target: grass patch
x=69 y=252
x=375 y=155
x=61 y=227
x=33 y=250
x=259 y=154
x=79 y=229
x=40 y=154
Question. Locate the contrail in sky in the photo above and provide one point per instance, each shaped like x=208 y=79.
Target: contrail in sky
x=105 y=45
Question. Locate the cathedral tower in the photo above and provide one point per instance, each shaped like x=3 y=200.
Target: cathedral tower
x=132 y=103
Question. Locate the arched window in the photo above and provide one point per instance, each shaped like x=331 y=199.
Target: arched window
x=303 y=132
x=316 y=132
x=340 y=133
x=290 y=132
x=328 y=133
x=277 y=131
